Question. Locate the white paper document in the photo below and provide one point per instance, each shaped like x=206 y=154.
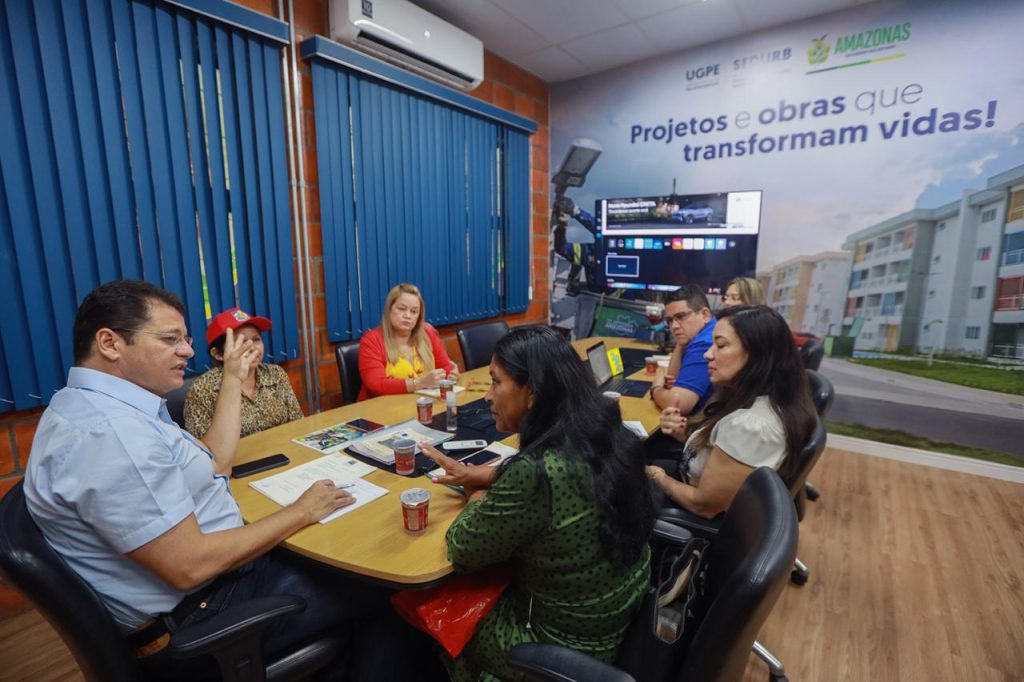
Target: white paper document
x=636 y=427
x=346 y=472
x=378 y=444
x=436 y=392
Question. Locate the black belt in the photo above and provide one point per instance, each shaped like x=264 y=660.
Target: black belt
x=155 y=634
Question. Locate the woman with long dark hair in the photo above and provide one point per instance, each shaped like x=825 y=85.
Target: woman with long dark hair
x=760 y=414
x=571 y=513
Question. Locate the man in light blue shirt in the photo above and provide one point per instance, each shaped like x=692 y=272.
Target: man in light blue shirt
x=141 y=510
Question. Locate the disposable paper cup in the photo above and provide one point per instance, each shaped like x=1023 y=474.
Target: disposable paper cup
x=651 y=364
x=415 y=502
x=445 y=386
x=405 y=456
x=614 y=395
x=424 y=410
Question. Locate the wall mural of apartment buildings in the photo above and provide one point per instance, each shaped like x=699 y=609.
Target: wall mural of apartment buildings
x=948 y=279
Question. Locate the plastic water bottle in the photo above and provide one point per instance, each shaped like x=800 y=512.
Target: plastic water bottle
x=451 y=411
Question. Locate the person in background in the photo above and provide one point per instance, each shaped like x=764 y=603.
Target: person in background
x=222 y=402
x=743 y=291
x=689 y=318
x=761 y=413
x=570 y=514
x=404 y=354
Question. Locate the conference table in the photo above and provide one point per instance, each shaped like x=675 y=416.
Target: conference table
x=370 y=541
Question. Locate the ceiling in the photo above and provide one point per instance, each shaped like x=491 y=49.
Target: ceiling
x=563 y=39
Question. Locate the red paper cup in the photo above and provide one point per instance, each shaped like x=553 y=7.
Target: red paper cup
x=424 y=410
x=444 y=386
x=405 y=456
x=415 y=502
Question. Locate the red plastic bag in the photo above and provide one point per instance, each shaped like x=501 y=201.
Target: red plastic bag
x=450 y=612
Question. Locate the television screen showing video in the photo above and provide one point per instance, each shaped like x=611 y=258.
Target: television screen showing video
x=659 y=243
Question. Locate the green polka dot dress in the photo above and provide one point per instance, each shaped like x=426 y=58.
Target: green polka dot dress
x=564 y=589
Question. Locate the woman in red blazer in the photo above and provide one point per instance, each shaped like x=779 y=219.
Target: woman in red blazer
x=403 y=354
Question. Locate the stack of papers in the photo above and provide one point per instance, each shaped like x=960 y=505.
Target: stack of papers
x=287 y=486
x=436 y=392
x=379 y=444
x=636 y=427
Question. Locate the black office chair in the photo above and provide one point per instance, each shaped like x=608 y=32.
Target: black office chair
x=822 y=394
x=233 y=637
x=176 y=401
x=477 y=342
x=812 y=353
x=743 y=573
x=709 y=528
x=347 y=355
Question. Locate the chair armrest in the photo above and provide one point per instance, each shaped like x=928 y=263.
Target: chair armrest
x=668 y=533
x=699 y=526
x=562 y=664
x=247 y=620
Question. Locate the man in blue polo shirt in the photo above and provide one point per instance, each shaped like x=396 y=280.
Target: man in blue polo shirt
x=688 y=316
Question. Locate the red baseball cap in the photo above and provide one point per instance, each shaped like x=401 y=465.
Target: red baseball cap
x=233 y=318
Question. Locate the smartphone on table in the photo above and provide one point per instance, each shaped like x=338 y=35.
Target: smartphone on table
x=258 y=465
x=364 y=425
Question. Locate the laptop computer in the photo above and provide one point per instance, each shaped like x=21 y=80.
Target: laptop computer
x=597 y=356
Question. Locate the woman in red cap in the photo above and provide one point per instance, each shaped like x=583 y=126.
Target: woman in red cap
x=262 y=391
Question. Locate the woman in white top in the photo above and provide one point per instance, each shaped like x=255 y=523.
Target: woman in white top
x=760 y=414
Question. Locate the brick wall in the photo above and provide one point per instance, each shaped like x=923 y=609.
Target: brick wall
x=505 y=86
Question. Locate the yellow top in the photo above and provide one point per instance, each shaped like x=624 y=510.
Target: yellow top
x=403 y=369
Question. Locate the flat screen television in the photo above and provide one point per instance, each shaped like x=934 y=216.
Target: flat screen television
x=659 y=243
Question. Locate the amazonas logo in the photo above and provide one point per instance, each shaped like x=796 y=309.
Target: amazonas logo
x=875 y=39
x=818 y=51
x=872 y=40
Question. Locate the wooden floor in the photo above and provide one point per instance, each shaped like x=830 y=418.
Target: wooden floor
x=916 y=574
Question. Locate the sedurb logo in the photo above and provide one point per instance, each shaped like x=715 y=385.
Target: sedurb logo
x=818 y=51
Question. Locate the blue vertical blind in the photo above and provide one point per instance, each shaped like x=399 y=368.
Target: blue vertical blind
x=137 y=140
x=413 y=189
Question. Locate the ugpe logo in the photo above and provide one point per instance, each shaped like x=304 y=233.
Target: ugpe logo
x=818 y=51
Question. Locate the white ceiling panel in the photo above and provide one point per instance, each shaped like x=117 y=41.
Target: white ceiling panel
x=692 y=25
x=565 y=19
x=638 y=9
x=611 y=48
x=759 y=14
x=563 y=39
x=500 y=32
x=553 y=64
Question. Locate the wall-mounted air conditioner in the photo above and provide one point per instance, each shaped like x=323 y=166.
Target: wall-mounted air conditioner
x=400 y=32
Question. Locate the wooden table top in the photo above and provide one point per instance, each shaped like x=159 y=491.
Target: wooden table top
x=370 y=541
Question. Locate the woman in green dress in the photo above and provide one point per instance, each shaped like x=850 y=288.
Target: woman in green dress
x=570 y=514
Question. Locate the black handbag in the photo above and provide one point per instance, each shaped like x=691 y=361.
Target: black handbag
x=668 y=616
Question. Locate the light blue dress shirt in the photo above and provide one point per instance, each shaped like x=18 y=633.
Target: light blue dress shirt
x=108 y=473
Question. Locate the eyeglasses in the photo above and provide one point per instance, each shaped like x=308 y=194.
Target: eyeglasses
x=678 y=317
x=733 y=297
x=172 y=340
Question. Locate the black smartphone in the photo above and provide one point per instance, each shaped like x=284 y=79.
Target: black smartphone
x=258 y=465
x=364 y=425
x=481 y=457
